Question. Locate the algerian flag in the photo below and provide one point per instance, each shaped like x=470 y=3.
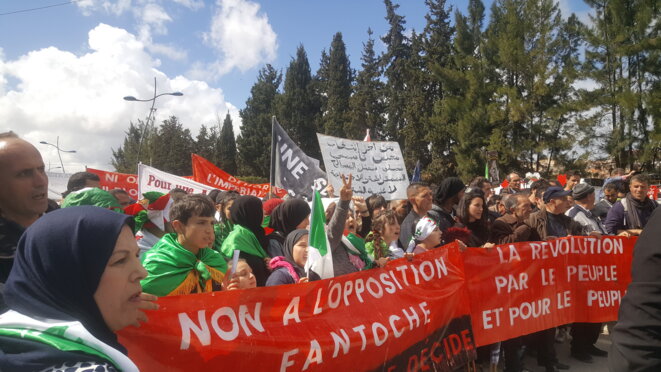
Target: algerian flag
x=320 y=258
x=486 y=170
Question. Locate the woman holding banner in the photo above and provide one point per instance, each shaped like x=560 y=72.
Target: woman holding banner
x=75 y=281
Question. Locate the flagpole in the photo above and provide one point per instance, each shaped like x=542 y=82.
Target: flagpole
x=272 y=170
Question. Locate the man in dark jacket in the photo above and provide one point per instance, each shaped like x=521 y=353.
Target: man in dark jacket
x=448 y=194
x=511 y=227
x=637 y=334
x=629 y=216
x=549 y=223
x=23 y=196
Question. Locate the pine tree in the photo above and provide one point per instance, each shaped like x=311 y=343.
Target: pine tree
x=254 y=142
x=338 y=89
x=125 y=158
x=205 y=142
x=393 y=61
x=367 y=103
x=227 y=147
x=622 y=57
x=299 y=106
x=173 y=146
x=418 y=108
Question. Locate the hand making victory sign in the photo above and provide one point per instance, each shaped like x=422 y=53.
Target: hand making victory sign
x=346 y=192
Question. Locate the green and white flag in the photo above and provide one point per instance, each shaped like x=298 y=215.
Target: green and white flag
x=320 y=257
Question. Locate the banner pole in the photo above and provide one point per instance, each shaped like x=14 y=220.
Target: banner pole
x=273 y=148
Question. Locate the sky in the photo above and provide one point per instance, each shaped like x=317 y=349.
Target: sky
x=64 y=69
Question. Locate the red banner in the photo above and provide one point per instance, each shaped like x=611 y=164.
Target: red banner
x=527 y=287
x=205 y=172
x=114 y=180
x=410 y=315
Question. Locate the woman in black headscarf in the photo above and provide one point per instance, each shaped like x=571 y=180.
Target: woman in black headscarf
x=290 y=268
x=75 y=281
x=248 y=236
x=289 y=216
x=447 y=195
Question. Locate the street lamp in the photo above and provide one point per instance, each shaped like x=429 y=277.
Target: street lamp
x=150 y=117
x=57 y=146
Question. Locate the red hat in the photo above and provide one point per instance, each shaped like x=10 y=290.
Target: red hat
x=270 y=205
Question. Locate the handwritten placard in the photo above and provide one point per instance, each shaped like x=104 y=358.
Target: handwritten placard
x=377 y=167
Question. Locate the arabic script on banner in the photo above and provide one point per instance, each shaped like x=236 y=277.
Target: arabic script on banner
x=377 y=167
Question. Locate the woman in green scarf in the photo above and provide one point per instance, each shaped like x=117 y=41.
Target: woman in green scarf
x=248 y=236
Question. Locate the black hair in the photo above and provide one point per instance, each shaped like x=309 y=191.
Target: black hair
x=190 y=206
x=78 y=180
x=375 y=201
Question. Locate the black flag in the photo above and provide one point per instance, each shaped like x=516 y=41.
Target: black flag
x=291 y=168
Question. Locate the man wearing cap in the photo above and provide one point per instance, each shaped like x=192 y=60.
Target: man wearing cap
x=584 y=198
x=585 y=335
x=550 y=222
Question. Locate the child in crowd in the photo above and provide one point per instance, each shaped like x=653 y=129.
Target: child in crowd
x=426 y=236
x=182 y=262
x=289 y=269
x=224 y=225
x=381 y=242
x=242 y=278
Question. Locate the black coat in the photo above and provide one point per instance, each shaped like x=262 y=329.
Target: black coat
x=637 y=335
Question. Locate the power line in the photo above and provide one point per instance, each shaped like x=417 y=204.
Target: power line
x=39 y=8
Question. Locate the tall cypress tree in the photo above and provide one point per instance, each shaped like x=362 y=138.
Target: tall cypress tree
x=254 y=142
x=367 y=103
x=393 y=61
x=299 y=106
x=227 y=147
x=338 y=89
x=125 y=158
x=205 y=143
x=174 y=145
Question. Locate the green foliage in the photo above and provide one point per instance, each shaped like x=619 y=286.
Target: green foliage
x=227 y=147
x=367 y=102
x=299 y=105
x=338 y=89
x=546 y=93
x=254 y=142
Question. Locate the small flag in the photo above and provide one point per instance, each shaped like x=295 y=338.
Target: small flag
x=486 y=170
x=320 y=258
x=367 y=136
x=562 y=178
x=416 y=173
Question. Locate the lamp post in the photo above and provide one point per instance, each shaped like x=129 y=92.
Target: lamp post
x=57 y=146
x=151 y=115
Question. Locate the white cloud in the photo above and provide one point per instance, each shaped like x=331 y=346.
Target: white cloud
x=151 y=19
x=241 y=35
x=79 y=97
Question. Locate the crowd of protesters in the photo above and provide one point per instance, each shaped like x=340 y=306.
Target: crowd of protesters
x=89 y=265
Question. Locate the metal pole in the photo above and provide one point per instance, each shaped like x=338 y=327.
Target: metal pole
x=58 y=153
x=149 y=118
